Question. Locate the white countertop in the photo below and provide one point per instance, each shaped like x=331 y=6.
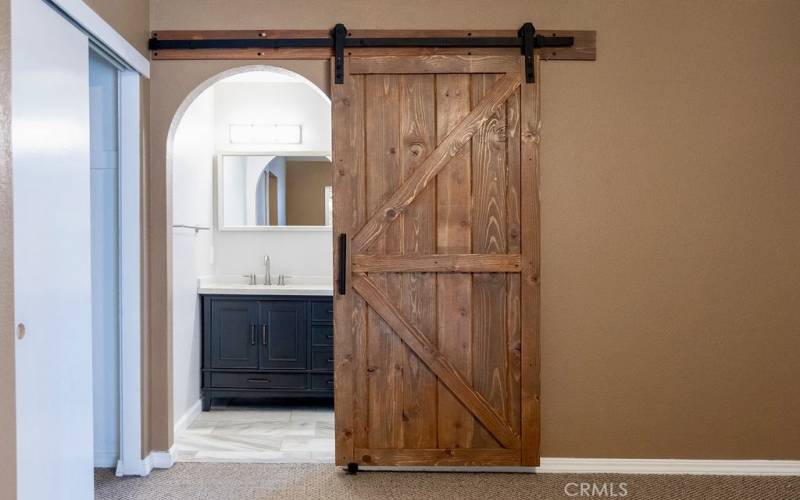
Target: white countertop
x=235 y=285
x=220 y=289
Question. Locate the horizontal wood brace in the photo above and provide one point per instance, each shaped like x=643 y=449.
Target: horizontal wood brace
x=438 y=263
x=427 y=64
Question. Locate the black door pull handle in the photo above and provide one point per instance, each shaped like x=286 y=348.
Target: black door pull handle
x=342 y=263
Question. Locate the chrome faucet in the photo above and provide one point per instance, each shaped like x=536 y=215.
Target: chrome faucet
x=267 y=279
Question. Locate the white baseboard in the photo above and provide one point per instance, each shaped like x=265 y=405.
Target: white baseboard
x=105 y=459
x=163 y=459
x=629 y=466
x=188 y=417
x=670 y=466
x=143 y=467
x=135 y=468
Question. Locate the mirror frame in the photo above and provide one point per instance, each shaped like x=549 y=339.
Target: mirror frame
x=219 y=192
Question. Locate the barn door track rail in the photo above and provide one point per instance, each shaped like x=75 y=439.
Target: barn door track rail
x=339 y=42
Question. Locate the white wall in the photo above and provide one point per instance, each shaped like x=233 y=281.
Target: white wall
x=291 y=252
x=192 y=195
x=268 y=103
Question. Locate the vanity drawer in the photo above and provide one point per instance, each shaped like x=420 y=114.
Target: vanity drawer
x=322 y=381
x=259 y=380
x=322 y=359
x=322 y=335
x=322 y=311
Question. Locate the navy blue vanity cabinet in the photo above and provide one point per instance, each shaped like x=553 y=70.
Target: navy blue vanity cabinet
x=284 y=337
x=235 y=344
x=267 y=346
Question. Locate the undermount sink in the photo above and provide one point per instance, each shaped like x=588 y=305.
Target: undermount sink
x=236 y=285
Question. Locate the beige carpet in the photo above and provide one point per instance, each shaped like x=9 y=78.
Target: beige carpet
x=190 y=481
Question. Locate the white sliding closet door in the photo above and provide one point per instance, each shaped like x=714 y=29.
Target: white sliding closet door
x=52 y=271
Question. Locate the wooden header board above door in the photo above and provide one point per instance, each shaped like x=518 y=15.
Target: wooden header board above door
x=436 y=331
x=162 y=46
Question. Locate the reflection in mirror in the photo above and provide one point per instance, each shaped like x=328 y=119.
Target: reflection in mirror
x=262 y=190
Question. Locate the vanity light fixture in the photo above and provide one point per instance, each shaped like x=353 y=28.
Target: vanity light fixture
x=260 y=133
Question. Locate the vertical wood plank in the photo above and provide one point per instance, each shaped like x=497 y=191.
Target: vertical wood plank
x=454 y=291
x=513 y=237
x=385 y=351
x=489 y=356
x=348 y=215
x=417 y=130
x=360 y=366
x=529 y=279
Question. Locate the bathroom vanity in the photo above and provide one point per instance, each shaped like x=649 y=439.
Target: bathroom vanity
x=266 y=342
x=270 y=336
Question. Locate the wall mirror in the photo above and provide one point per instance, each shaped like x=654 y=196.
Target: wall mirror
x=264 y=191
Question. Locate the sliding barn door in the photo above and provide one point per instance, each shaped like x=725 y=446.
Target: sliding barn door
x=436 y=300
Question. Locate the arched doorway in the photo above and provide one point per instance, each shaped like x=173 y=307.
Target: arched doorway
x=203 y=135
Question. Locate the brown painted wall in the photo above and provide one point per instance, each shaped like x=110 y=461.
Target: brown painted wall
x=305 y=192
x=130 y=18
x=8 y=436
x=146 y=250
x=670 y=214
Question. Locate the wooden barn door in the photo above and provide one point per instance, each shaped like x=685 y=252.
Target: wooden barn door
x=436 y=323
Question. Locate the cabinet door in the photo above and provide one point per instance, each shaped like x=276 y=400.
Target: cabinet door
x=234 y=334
x=284 y=338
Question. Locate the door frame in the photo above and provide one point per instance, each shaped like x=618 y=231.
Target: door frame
x=99 y=30
x=130 y=277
